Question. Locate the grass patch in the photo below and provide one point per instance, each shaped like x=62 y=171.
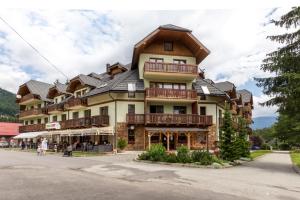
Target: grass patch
x=295 y=158
x=258 y=153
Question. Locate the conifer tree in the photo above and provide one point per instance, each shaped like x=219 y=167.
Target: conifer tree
x=241 y=143
x=284 y=87
x=227 y=133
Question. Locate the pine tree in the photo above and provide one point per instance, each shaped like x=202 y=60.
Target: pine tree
x=241 y=143
x=284 y=87
x=227 y=133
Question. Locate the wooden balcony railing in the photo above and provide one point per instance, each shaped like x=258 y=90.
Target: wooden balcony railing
x=76 y=123
x=86 y=122
x=35 y=111
x=171 y=93
x=178 y=119
x=55 y=107
x=100 y=120
x=32 y=128
x=27 y=97
x=170 y=68
x=247 y=108
x=73 y=102
x=135 y=119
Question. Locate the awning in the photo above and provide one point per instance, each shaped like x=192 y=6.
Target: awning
x=155 y=129
x=81 y=132
x=30 y=135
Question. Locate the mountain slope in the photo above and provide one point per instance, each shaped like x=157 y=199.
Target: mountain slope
x=263 y=122
x=8 y=106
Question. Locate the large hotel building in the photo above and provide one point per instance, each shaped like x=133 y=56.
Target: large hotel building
x=160 y=97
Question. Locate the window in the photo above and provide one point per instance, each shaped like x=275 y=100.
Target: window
x=179 y=109
x=78 y=94
x=26 y=122
x=75 y=115
x=181 y=86
x=202 y=110
x=83 y=92
x=178 y=61
x=205 y=90
x=104 y=110
x=46 y=120
x=168 y=86
x=63 y=117
x=87 y=113
x=39 y=121
x=54 y=118
x=39 y=105
x=168 y=46
x=131 y=108
x=62 y=98
x=131 y=90
x=182 y=139
x=202 y=97
x=131 y=136
x=56 y=101
x=202 y=138
x=31 y=122
x=157 y=60
x=156 y=109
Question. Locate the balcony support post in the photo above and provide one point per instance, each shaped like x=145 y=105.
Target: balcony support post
x=168 y=141
x=149 y=140
x=189 y=140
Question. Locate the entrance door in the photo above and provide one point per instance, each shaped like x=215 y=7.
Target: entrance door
x=171 y=141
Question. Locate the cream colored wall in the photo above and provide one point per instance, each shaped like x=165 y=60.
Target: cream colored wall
x=58 y=98
x=122 y=109
x=168 y=59
x=168 y=107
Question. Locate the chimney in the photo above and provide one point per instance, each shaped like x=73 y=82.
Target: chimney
x=107 y=67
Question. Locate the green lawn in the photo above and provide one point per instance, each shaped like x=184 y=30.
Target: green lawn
x=257 y=153
x=295 y=158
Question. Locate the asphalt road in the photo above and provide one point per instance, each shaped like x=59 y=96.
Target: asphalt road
x=26 y=176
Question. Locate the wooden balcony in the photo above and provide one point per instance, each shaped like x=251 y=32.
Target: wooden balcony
x=158 y=94
x=100 y=120
x=36 y=112
x=32 y=128
x=247 y=108
x=76 y=123
x=135 y=119
x=86 y=122
x=55 y=108
x=170 y=70
x=75 y=103
x=178 y=119
x=29 y=98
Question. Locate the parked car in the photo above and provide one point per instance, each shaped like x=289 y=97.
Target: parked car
x=4 y=144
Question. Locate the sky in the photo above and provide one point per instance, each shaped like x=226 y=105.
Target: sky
x=83 y=41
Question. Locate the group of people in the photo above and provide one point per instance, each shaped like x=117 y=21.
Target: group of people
x=42 y=147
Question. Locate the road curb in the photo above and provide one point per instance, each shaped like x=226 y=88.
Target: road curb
x=184 y=164
x=296 y=169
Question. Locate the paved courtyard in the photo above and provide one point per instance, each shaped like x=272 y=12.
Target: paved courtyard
x=25 y=176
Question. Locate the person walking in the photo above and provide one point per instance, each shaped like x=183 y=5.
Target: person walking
x=44 y=146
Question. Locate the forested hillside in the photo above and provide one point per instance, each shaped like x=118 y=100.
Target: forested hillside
x=8 y=106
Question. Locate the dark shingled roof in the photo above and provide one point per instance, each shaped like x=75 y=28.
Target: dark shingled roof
x=39 y=88
x=88 y=80
x=246 y=95
x=173 y=27
x=119 y=83
x=62 y=88
x=214 y=91
x=225 y=86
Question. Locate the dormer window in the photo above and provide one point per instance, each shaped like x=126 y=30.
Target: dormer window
x=168 y=46
x=131 y=90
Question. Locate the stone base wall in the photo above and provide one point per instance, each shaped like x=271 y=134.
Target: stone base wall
x=198 y=140
x=122 y=132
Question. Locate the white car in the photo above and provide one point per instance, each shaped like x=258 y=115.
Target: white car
x=3 y=144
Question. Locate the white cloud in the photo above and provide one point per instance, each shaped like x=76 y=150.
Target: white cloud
x=260 y=111
x=84 y=41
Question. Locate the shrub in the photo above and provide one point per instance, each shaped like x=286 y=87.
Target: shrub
x=265 y=146
x=171 y=158
x=144 y=156
x=284 y=146
x=157 y=152
x=122 y=143
x=183 y=155
x=202 y=157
